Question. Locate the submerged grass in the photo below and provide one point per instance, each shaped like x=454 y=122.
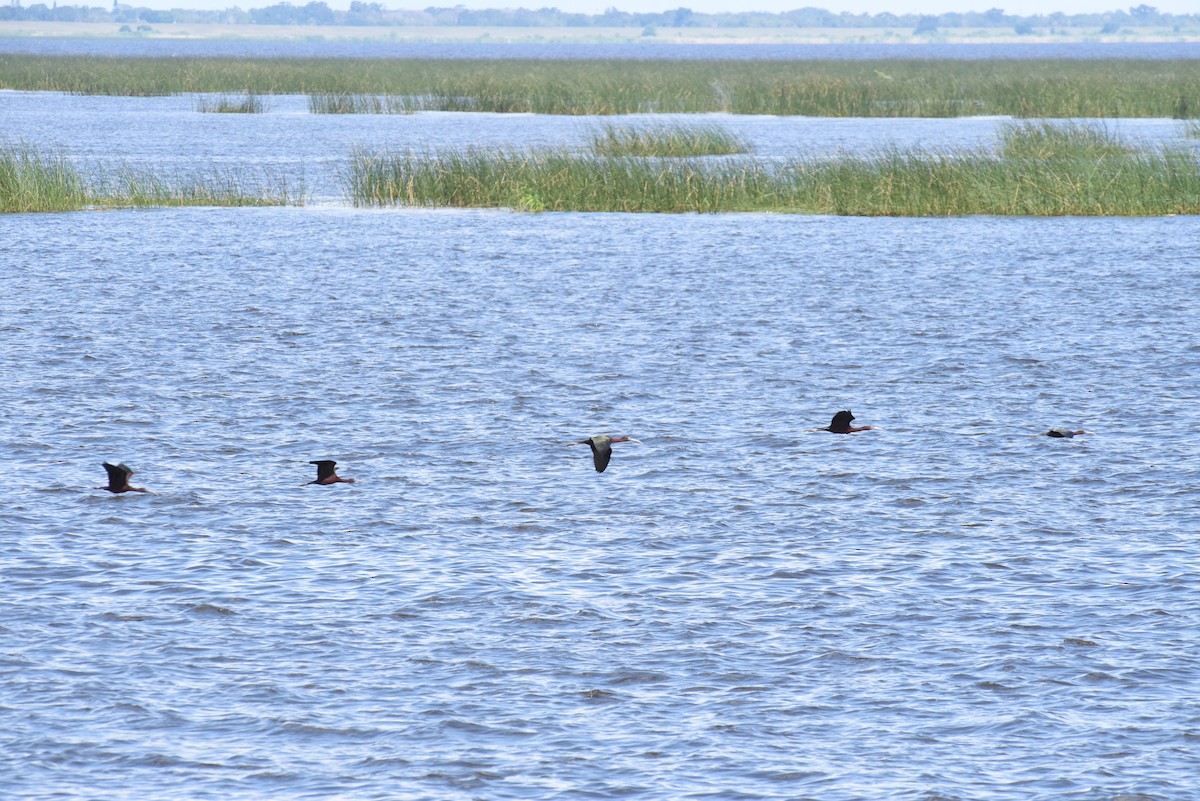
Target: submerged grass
x=666 y=141
x=1050 y=88
x=34 y=181
x=1116 y=180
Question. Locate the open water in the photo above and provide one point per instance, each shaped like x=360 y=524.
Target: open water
x=949 y=606
x=375 y=48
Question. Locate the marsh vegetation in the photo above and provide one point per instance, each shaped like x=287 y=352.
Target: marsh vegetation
x=34 y=180
x=1037 y=169
x=249 y=104
x=665 y=141
x=1050 y=88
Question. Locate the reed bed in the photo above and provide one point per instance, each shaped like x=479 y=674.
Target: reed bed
x=32 y=180
x=1048 y=88
x=137 y=188
x=1116 y=179
x=334 y=103
x=35 y=181
x=250 y=104
x=667 y=141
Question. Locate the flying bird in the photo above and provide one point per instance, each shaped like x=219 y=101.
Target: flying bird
x=841 y=424
x=602 y=448
x=118 y=479
x=326 y=473
x=1063 y=433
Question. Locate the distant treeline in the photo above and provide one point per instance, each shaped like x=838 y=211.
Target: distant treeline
x=363 y=13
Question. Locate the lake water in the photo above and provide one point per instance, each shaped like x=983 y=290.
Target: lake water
x=317 y=47
x=947 y=607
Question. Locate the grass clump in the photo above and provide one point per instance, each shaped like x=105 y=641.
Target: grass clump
x=666 y=141
x=341 y=103
x=1043 y=140
x=34 y=181
x=128 y=187
x=1123 y=181
x=250 y=104
x=31 y=180
x=556 y=180
x=332 y=103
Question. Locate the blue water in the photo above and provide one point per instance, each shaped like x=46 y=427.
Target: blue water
x=132 y=46
x=949 y=606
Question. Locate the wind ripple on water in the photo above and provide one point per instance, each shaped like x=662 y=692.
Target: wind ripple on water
x=948 y=606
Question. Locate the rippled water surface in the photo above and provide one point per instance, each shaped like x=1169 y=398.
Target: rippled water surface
x=948 y=606
x=376 y=48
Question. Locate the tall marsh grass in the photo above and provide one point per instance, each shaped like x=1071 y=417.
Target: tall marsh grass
x=250 y=104
x=1116 y=181
x=1067 y=140
x=31 y=180
x=335 y=103
x=667 y=141
x=34 y=181
x=1049 y=88
x=129 y=187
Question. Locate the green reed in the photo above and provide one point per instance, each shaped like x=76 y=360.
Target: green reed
x=553 y=180
x=34 y=181
x=1049 y=88
x=1052 y=140
x=666 y=141
x=334 y=103
x=1119 y=181
x=31 y=180
x=250 y=104
x=126 y=186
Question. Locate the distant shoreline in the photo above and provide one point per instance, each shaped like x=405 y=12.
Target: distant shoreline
x=590 y=35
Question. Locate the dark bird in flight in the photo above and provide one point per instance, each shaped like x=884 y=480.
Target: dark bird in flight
x=118 y=479
x=841 y=424
x=1063 y=433
x=602 y=449
x=326 y=473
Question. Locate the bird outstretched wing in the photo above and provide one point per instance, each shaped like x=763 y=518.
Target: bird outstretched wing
x=601 y=453
x=118 y=475
x=325 y=468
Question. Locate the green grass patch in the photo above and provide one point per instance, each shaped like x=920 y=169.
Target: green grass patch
x=31 y=180
x=35 y=181
x=250 y=104
x=335 y=103
x=1034 y=88
x=1069 y=140
x=666 y=141
x=1123 y=181
x=129 y=187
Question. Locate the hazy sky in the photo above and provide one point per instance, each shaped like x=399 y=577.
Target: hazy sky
x=1022 y=7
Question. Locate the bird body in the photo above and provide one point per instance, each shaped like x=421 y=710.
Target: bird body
x=118 y=479
x=327 y=474
x=602 y=449
x=1063 y=433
